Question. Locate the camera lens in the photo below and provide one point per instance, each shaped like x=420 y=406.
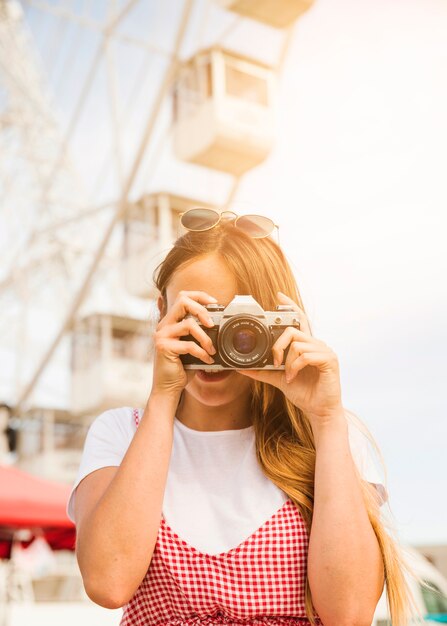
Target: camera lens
x=244 y=341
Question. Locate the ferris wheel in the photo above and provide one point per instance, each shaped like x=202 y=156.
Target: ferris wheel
x=97 y=100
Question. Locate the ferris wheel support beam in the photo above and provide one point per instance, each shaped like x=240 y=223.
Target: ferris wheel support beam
x=79 y=296
x=9 y=281
x=285 y=49
x=279 y=68
x=94 y=25
x=114 y=115
x=81 y=20
x=61 y=156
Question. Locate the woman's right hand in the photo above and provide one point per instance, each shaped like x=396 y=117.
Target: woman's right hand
x=169 y=375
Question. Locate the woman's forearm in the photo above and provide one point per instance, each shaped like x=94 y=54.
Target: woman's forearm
x=115 y=542
x=345 y=566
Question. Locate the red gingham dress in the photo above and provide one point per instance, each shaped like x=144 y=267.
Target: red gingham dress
x=260 y=581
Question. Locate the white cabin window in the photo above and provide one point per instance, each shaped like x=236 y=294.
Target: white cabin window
x=245 y=86
x=128 y=344
x=193 y=87
x=86 y=348
x=140 y=226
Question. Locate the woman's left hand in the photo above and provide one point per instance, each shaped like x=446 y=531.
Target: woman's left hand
x=311 y=378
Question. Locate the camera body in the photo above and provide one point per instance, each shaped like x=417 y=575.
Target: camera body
x=243 y=335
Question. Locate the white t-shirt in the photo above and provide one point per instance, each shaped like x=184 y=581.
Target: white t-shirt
x=217 y=471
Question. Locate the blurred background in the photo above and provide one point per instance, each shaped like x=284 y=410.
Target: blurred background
x=329 y=116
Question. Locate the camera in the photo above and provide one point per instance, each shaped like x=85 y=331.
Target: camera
x=243 y=335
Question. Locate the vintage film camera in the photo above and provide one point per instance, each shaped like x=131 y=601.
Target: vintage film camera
x=243 y=335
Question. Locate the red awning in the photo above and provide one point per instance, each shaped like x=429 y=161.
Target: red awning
x=27 y=501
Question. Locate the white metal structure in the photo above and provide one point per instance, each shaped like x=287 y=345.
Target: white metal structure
x=85 y=95
x=224 y=111
x=278 y=13
x=58 y=465
x=436 y=553
x=150 y=227
x=111 y=363
x=30 y=128
x=429 y=603
x=63 y=224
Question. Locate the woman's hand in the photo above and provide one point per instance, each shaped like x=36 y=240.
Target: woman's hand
x=170 y=376
x=311 y=378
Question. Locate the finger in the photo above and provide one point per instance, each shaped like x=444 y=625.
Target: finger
x=189 y=326
x=304 y=323
x=323 y=361
x=292 y=334
x=178 y=346
x=190 y=302
x=297 y=348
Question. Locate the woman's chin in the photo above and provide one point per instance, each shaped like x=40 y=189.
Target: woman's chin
x=220 y=392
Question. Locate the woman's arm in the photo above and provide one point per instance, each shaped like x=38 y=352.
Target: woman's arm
x=345 y=566
x=117 y=520
x=118 y=514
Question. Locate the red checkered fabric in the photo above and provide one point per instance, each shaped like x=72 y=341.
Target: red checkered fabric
x=260 y=581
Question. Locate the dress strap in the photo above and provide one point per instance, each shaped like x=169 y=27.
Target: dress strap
x=136 y=417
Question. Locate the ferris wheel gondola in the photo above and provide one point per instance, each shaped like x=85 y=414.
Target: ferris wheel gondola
x=111 y=363
x=277 y=13
x=224 y=111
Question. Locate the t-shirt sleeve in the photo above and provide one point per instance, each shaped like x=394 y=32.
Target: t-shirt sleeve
x=105 y=445
x=366 y=460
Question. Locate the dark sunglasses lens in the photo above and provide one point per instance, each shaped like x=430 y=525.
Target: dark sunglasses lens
x=199 y=219
x=255 y=225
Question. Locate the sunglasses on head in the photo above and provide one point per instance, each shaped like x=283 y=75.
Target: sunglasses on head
x=201 y=218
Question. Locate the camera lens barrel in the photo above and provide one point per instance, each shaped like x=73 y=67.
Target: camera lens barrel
x=244 y=341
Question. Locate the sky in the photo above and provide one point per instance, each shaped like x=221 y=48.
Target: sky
x=356 y=182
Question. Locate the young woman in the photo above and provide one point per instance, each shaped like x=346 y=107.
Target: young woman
x=238 y=497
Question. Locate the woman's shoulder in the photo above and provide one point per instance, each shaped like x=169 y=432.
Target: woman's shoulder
x=109 y=435
x=119 y=421
x=108 y=438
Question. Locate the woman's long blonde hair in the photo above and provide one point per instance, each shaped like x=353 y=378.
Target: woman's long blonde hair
x=285 y=445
